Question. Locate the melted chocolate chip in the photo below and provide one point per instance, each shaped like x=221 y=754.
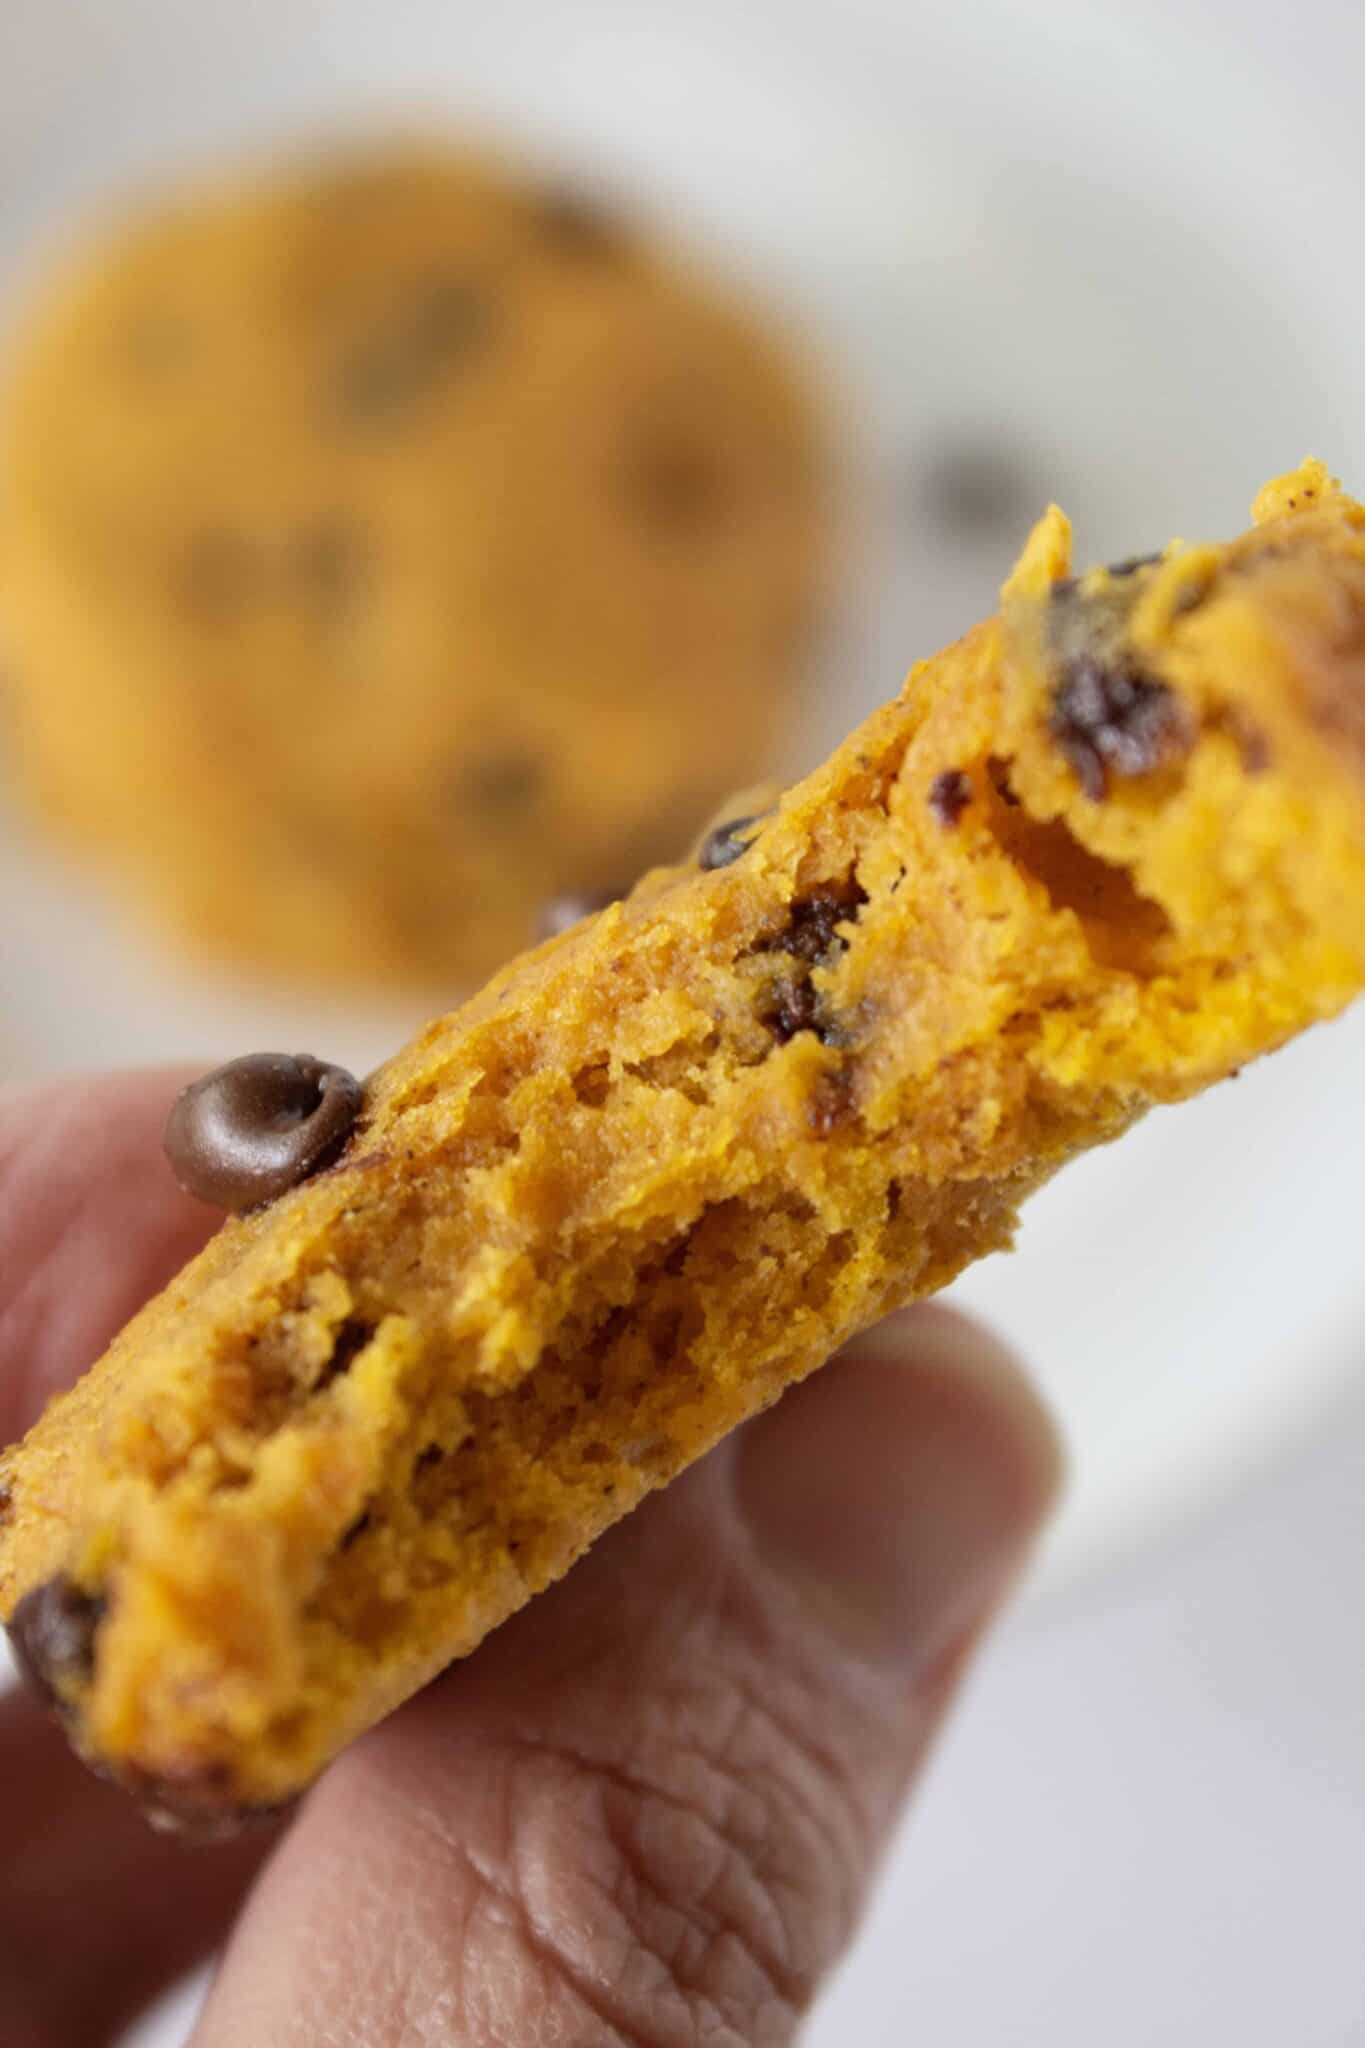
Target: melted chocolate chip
x=395 y=366
x=6 y=1502
x=811 y=936
x=198 y=1806
x=258 y=1126
x=725 y=843
x=52 y=1632
x=562 y=913
x=1108 y=716
x=812 y=928
x=949 y=795
x=796 y=1008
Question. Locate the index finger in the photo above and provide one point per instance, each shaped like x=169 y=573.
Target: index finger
x=91 y=1224
x=96 y=1912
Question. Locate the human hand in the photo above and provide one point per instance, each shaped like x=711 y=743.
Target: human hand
x=647 y=1811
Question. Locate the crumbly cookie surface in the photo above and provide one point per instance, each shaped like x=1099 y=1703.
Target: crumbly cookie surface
x=1094 y=857
x=387 y=544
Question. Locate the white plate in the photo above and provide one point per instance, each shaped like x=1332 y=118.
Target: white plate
x=1068 y=237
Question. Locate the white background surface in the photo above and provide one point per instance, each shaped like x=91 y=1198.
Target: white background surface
x=1120 y=241
x=1146 y=1827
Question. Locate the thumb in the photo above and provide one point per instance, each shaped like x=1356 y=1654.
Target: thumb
x=650 y=1809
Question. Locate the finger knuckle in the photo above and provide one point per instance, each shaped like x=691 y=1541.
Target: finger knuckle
x=692 y=1882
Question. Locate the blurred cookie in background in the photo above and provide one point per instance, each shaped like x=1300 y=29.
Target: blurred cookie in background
x=388 y=545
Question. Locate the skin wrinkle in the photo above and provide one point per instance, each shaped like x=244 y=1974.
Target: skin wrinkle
x=611 y=1916
x=790 y=1824
x=768 y=1620
x=815 y=1918
x=825 y=1770
x=708 y=1944
x=728 y=1848
x=556 y=1970
x=485 y=1901
x=752 y=1743
x=753 y=1754
x=770 y=1626
x=710 y=1789
x=774 y=1918
x=654 y=1966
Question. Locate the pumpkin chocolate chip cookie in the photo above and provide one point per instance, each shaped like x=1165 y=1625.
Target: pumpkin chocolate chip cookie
x=386 y=544
x=1094 y=857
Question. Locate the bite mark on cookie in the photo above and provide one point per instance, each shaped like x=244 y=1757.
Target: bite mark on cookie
x=1109 y=717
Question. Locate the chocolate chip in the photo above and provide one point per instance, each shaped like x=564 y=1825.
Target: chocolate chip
x=796 y=1008
x=258 y=1126
x=395 y=366
x=578 y=225
x=1108 y=716
x=949 y=795
x=812 y=927
x=6 y=1502
x=52 y=1633
x=562 y=913
x=811 y=934
x=725 y=843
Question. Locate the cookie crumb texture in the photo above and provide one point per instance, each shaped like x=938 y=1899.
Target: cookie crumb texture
x=665 y=1164
x=390 y=545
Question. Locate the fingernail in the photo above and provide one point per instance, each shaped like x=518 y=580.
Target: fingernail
x=901 y=1490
